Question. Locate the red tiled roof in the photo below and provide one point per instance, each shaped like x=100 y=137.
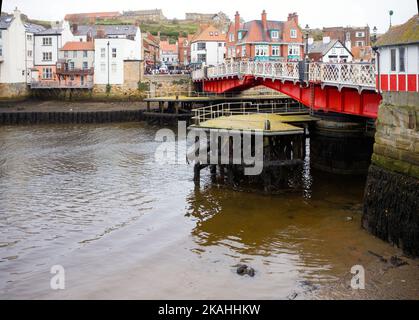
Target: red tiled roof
x=167 y=47
x=209 y=33
x=78 y=45
x=254 y=31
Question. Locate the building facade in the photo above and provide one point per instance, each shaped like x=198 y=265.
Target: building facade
x=116 y=53
x=208 y=46
x=47 y=44
x=328 y=51
x=265 y=40
x=169 y=54
x=91 y=16
x=75 y=66
x=350 y=36
x=184 y=50
x=145 y=15
x=12 y=49
x=397 y=58
x=151 y=51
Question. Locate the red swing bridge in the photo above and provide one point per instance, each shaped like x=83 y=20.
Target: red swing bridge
x=347 y=88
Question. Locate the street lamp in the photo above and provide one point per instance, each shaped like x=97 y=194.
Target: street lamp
x=374 y=34
x=306 y=33
x=391 y=12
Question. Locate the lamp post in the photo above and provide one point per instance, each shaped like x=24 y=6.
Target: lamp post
x=108 y=63
x=390 y=13
x=306 y=33
x=374 y=34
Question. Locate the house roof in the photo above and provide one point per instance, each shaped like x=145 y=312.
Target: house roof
x=209 y=33
x=5 y=21
x=402 y=34
x=78 y=45
x=71 y=16
x=167 y=47
x=128 y=30
x=50 y=31
x=33 y=28
x=318 y=48
x=254 y=31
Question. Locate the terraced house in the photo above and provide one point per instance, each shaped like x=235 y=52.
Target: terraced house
x=264 y=40
x=75 y=64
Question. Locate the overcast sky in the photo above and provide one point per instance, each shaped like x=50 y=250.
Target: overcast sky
x=316 y=13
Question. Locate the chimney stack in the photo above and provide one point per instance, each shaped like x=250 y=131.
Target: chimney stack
x=293 y=16
x=237 y=21
x=75 y=28
x=264 y=21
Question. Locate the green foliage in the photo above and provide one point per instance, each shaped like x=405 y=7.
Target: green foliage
x=143 y=86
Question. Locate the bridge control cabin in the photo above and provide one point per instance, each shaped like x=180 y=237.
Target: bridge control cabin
x=398 y=58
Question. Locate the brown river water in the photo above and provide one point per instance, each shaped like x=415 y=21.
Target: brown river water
x=92 y=199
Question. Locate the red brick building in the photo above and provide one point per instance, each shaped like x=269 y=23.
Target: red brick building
x=184 y=50
x=151 y=49
x=265 y=39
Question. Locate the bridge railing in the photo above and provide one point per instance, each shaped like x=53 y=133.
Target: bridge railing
x=236 y=108
x=341 y=74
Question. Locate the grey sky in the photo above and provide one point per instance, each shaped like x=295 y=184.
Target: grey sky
x=317 y=13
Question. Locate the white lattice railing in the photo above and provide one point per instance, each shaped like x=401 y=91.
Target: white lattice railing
x=341 y=74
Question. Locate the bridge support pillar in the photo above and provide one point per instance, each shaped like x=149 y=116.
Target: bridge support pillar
x=340 y=147
x=391 y=205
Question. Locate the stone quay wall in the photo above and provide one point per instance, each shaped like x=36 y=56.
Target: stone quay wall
x=391 y=206
x=14 y=91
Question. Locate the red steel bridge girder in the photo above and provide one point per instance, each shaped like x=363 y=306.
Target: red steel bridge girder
x=328 y=99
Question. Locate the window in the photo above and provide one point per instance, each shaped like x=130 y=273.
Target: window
x=102 y=67
x=261 y=50
x=71 y=65
x=85 y=65
x=220 y=44
x=72 y=78
x=360 y=34
x=74 y=54
x=47 y=41
x=29 y=37
x=275 y=51
x=113 y=52
x=360 y=43
x=348 y=36
x=65 y=54
x=47 y=73
x=102 y=52
x=243 y=51
x=113 y=67
x=84 y=53
x=231 y=37
x=201 y=46
x=202 y=58
x=293 y=33
x=293 y=50
x=274 y=34
x=211 y=33
x=239 y=35
x=402 y=65
x=46 y=56
x=1 y=50
x=29 y=53
x=393 y=59
x=0 y=34
x=215 y=33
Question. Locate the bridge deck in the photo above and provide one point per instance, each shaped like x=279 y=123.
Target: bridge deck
x=280 y=124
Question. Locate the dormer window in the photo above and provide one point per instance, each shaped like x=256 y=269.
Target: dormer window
x=239 y=35
x=211 y=33
x=293 y=33
x=231 y=37
x=216 y=33
x=274 y=34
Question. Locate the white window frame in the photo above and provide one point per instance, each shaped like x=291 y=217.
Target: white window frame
x=47 y=41
x=293 y=33
x=360 y=34
x=275 y=34
x=103 y=52
x=276 y=52
x=261 y=50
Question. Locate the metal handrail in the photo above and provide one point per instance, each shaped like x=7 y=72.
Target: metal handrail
x=242 y=108
x=343 y=74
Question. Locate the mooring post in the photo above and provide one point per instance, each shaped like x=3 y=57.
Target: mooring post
x=197 y=173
